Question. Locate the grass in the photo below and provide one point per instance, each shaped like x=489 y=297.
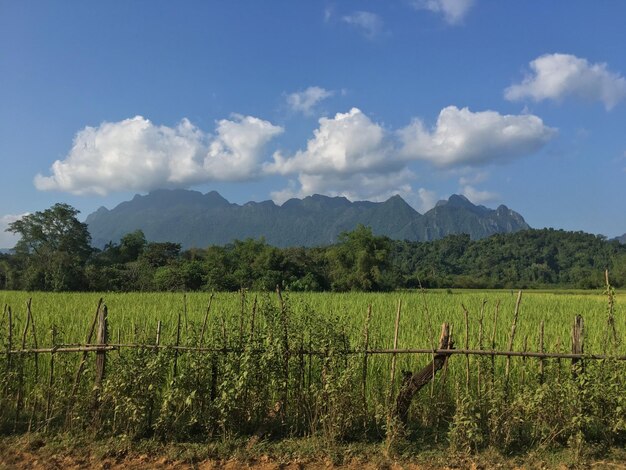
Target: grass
x=214 y=397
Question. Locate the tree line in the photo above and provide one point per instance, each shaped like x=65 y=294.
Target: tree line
x=54 y=253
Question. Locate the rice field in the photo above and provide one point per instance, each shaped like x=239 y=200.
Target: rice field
x=198 y=395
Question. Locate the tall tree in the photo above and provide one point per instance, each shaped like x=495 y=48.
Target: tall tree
x=53 y=248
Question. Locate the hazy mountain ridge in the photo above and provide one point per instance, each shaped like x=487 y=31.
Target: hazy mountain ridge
x=195 y=219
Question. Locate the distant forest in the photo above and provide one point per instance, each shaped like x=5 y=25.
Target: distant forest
x=54 y=254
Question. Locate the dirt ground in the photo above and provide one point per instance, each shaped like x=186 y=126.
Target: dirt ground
x=35 y=454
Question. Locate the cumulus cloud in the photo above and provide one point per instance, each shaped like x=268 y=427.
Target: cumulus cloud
x=348 y=143
x=477 y=196
x=464 y=137
x=7 y=239
x=556 y=76
x=135 y=154
x=305 y=101
x=453 y=11
x=352 y=156
x=356 y=186
x=426 y=200
x=348 y=155
x=368 y=23
x=473 y=178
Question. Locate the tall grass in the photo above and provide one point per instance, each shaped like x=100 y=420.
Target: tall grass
x=251 y=393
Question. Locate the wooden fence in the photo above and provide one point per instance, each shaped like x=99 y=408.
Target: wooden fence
x=99 y=343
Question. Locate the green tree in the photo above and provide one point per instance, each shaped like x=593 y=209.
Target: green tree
x=359 y=261
x=53 y=248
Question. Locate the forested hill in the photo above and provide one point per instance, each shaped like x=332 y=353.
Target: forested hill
x=198 y=220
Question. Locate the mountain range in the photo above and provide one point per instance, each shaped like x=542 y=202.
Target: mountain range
x=194 y=219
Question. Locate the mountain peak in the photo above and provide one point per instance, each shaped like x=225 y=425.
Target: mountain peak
x=195 y=219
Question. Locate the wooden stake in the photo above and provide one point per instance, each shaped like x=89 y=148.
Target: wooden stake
x=467 y=360
x=415 y=382
x=185 y=313
x=395 y=346
x=50 y=380
x=206 y=318
x=541 y=349
x=177 y=344
x=158 y=333
x=480 y=345
x=283 y=319
x=578 y=345
x=81 y=364
x=101 y=339
x=34 y=332
x=366 y=345
x=493 y=341
x=252 y=320
x=512 y=336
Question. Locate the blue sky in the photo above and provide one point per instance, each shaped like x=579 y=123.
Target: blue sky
x=507 y=102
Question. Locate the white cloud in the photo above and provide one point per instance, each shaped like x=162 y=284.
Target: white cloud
x=370 y=24
x=356 y=186
x=135 y=154
x=304 y=101
x=349 y=155
x=348 y=143
x=452 y=10
x=556 y=76
x=7 y=239
x=473 y=178
x=477 y=196
x=426 y=200
x=464 y=137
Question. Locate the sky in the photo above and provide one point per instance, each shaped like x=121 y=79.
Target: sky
x=510 y=102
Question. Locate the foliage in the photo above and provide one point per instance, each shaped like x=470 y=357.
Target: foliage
x=52 y=250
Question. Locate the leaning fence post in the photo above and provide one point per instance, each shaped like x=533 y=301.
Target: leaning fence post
x=415 y=381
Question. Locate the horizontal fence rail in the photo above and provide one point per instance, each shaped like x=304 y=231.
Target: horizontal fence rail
x=297 y=352
x=307 y=377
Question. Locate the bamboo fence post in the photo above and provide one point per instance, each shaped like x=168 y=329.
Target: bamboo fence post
x=177 y=344
x=206 y=318
x=157 y=341
x=525 y=348
x=558 y=361
x=414 y=382
x=496 y=310
x=611 y=329
x=285 y=341
x=81 y=364
x=578 y=345
x=253 y=319
x=512 y=336
x=467 y=359
x=19 y=400
x=395 y=346
x=9 y=339
x=242 y=314
x=34 y=332
x=480 y=344
x=366 y=343
x=101 y=339
x=541 y=349
x=185 y=313
x=50 y=380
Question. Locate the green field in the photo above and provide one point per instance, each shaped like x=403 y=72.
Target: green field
x=212 y=394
